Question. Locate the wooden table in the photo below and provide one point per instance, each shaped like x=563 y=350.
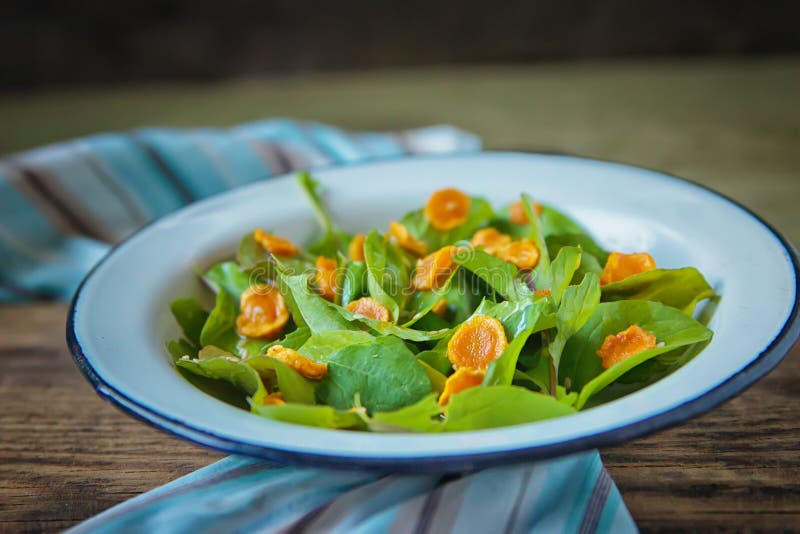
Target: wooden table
x=66 y=455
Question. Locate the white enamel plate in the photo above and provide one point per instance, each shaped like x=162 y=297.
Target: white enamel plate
x=120 y=319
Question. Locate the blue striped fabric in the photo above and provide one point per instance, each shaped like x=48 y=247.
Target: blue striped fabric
x=62 y=206
x=568 y=495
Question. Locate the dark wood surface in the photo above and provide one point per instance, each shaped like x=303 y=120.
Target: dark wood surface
x=66 y=455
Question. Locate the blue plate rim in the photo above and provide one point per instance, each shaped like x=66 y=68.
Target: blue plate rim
x=765 y=362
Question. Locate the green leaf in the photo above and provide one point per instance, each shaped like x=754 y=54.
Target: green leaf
x=587 y=244
x=307 y=415
x=436 y=358
x=178 y=348
x=500 y=275
x=220 y=328
x=384 y=374
x=333 y=240
x=354 y=285
x=388 y=270
x=231 y=370
x=577 y=305
x=249 y=347
x=436 y=377
x=480 y=214
x=209 y=352
x=679 y=288
x=541 y=274
x=501 y=370
x=387 y=328
x=518 y=316
x=190 y=316
x=319 y=346
x=581 y=365
x=228 y=276
x=250 y=252
x=294 y=386
x=498 y=406
x=563 y=269
x=313 y=310
x=422 y=416
x=422 y=302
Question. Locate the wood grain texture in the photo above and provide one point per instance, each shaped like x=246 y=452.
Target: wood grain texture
x=66 y=455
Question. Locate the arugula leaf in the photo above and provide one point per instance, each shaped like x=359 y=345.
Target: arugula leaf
x=496 y=406
x=501 y=276
x=311 y=309
x=422 y=416
x=577 y=306
x=541 y=274
x=209 y=352
x=354 y=285
x=292 y=340
x=229 y=369
x=190 y=316
x=480 y=214
x=555 y=222
x=588 y=245
x=563 y=269
x=679 y=288
x=380 y=283
x=501 y=371
x=518 y=316
x=388 y=328
x=436 y=358
x=436 y=377
x=294 y=386
x=250 y=252
x=589 y=262
x=581 y=365
x=319 y=346
x=307 y=415
x=333 y=240
x=220 y=328
x=178 y=348
x=383 y=373
x=423 y=301
x=229 y=276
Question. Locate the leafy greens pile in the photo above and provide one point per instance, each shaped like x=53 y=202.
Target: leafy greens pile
x=388 y=373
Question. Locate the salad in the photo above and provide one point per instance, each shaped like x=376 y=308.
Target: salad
x=458 y=316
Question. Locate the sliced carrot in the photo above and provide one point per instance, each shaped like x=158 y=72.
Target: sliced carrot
x=523 y=253
x=619 y=266
x=326 y=277
x=408 y=242
x=463 y=378
x=490 y=239
x=477 y=342
x=447 y=209
x=262 y=312
x=625 y=344
x=303 y=365
x=355 y=250
x=280 y=246
x=369 y=307
x=434 y=269
x=518 y=214
x=542 y=293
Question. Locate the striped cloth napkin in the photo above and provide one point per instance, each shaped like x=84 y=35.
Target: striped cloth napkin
x=62 y=206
